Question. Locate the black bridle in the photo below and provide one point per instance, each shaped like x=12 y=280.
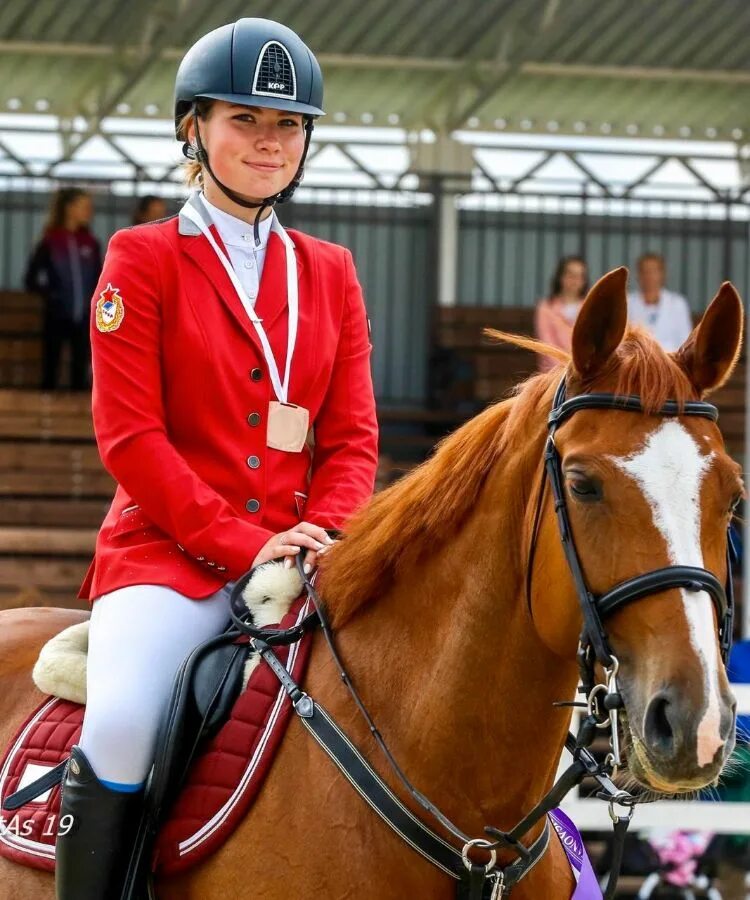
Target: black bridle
x=594 y=644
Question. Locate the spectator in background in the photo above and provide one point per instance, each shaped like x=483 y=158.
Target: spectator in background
x=664 y=313
x=149 y=208
x=64 y=268
x=555 y=316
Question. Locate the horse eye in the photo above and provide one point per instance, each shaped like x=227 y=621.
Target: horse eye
x=585 y=489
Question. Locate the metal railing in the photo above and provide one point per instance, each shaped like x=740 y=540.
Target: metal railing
x=509 y=239
x=591 y=814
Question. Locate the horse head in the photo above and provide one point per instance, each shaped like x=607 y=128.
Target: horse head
x=647 y=491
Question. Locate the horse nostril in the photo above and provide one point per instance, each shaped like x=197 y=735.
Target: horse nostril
x=658 y=729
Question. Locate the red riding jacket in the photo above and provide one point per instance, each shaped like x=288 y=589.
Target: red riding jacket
x=180 y=401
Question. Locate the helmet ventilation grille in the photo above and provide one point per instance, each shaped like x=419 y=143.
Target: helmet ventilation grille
x=274 y=74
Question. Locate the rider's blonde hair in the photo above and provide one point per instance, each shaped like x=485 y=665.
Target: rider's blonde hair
x=192 y=170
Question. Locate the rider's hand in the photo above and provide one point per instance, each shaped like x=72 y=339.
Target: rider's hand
x=289 y=543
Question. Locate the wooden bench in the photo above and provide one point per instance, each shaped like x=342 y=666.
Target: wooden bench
x=20 y=339
x=54 y=494
x=44 y=566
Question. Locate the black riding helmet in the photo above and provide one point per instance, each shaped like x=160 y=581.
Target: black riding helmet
x=252 y=62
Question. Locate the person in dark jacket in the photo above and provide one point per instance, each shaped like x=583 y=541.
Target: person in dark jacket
x=64 y=268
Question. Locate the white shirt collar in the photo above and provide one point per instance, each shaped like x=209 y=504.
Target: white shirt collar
x=663 y=296
x=235 y=232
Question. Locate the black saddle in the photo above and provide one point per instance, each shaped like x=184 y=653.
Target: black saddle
x=204 y=691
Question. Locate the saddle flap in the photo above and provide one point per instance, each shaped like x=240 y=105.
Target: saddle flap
x=216 y=684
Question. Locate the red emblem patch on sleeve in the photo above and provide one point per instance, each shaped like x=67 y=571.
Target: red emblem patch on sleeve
x=110 y=310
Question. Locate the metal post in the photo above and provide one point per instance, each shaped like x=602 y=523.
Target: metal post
x=447 y=258
x=433 y=284
x=583 y=232
x=727 y=262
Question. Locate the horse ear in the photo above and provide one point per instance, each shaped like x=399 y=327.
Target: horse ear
x=710 y=353
x=600 y=325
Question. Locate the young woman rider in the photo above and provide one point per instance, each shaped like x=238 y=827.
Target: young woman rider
x=232 y=403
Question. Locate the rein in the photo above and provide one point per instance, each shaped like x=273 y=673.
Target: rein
x=603 y=700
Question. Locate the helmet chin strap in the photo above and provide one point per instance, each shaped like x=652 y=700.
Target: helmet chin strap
x=282 y=196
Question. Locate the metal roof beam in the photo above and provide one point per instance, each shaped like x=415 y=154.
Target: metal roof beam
x=530 y=172
x=126 y=156
x=344 y=150
x=696 y=174
x=489 y=176
x=573 y=157
x=411 y=63
x=636 y=73
x=523 y=36
x=156 y=30
x=16 y=159
x=331 y=60
x=660 y=163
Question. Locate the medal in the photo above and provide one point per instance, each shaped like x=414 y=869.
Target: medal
x=287 y=426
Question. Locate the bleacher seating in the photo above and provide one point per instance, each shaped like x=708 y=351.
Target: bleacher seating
x=54 y=494
x=54 y=491
x=20 y=344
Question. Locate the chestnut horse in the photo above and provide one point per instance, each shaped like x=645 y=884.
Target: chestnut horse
x=427 y=595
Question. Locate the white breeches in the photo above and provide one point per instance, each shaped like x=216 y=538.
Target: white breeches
x=138 y=638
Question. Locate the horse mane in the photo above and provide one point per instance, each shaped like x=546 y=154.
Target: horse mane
x=640 y=366
x=419 y=513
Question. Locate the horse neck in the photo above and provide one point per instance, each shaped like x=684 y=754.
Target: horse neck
x=453 y=671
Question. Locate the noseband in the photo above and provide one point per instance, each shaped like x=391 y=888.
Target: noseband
x=594 y=644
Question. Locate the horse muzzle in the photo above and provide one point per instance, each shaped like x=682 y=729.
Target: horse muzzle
x=679 y=747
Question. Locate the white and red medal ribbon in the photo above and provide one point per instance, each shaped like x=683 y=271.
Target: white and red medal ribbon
x=287 y=423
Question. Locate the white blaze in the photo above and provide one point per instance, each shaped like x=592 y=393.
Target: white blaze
x=669 y=470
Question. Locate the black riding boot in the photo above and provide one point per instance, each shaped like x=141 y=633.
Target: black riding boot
x=92 y=858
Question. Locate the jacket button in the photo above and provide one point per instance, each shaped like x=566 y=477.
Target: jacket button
x=253 y=462
x=253 y=419
x=256 y=374
x=252 y=505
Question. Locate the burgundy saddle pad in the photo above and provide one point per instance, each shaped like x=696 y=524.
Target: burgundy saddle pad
x=222 y=783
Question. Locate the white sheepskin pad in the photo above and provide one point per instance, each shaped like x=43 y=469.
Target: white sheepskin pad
x=60 y=669
x=268 y=596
